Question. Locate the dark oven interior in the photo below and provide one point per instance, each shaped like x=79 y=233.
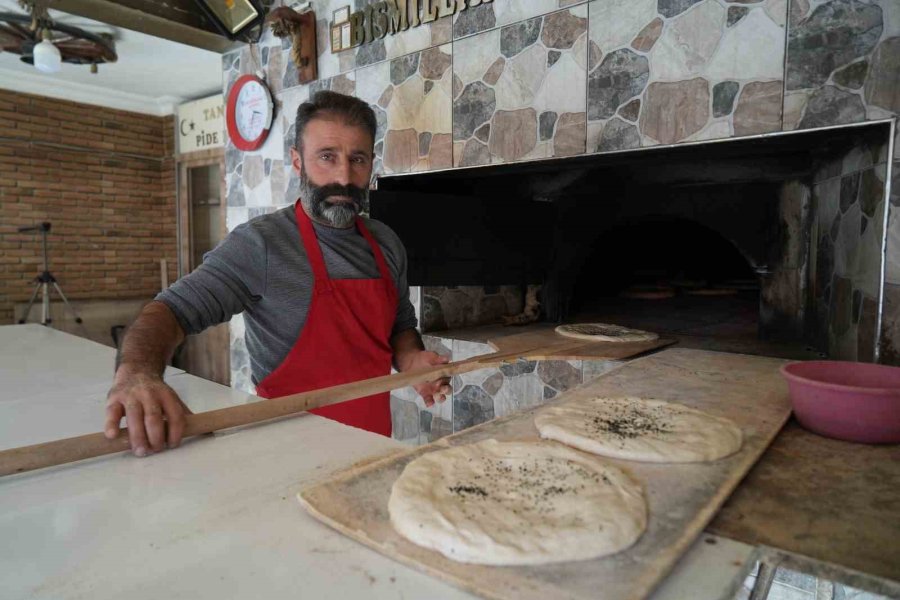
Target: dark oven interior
x=708 y=240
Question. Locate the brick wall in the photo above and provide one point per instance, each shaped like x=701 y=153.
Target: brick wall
x=104 y=178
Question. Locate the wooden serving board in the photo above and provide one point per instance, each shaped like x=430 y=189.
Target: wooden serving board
x=681 y=498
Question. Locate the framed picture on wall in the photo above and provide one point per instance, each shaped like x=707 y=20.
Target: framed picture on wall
x=336 y=38
x=340 y=29
x=341 y=15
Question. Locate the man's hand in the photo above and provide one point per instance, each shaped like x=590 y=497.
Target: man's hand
x=409 y=354
x=431 y=391
x=139 y=393
x=151 y=410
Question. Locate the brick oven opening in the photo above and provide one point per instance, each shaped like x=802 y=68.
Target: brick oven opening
x=736 y=245
x=690 y=281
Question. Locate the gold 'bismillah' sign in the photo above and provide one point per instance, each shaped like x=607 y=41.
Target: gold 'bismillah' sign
x=389 y=17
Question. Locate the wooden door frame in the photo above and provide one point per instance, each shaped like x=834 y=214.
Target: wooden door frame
x=199 y=352
x=191 y=160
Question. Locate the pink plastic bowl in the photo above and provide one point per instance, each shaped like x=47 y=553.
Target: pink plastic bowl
x=858 y=402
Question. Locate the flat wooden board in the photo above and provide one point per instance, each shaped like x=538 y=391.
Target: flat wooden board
x=546 y=344
x=829 y=500
x=682 y=498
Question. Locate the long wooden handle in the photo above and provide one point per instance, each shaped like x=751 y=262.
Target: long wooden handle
x=38 y=456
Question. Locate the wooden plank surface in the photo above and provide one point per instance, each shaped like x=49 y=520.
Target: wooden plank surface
x=681 y=498
x=825 y=499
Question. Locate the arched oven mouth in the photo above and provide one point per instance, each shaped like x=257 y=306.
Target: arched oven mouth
x=772 y=244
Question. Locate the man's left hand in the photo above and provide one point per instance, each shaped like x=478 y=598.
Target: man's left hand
x=431 y=391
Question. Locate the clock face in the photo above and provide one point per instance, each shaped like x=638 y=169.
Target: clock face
x=249 y=113
x=252 y=110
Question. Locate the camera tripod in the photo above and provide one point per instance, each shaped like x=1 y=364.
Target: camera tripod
x=43 y=282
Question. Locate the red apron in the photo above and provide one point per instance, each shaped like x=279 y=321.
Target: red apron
x=346 y=337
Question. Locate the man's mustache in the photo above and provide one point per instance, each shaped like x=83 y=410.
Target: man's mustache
x=356 y=194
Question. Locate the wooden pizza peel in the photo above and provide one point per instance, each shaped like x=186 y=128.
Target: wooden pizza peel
x=536 y=345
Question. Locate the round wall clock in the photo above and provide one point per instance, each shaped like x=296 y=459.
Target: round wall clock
x=249 y=114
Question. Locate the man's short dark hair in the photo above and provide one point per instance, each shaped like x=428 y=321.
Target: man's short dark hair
x=352 y=111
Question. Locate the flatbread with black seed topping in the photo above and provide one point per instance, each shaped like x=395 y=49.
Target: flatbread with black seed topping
x=517 y=503
x=605 y=332
x=640 y=429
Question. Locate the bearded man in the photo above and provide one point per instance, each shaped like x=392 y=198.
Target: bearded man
x=322 y=289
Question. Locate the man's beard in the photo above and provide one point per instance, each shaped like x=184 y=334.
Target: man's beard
x=314 y=199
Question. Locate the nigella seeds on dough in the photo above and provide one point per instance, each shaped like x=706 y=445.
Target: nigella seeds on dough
x=468 y=490
x=640 y=429
x=631 y=424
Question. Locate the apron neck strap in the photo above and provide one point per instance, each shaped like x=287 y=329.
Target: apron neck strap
x=313 y=251
x=376 y=249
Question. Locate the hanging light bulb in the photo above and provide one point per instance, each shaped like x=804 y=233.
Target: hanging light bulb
x=47 y=58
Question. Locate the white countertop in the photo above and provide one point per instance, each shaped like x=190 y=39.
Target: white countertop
x=35 y=358
x=217 y=518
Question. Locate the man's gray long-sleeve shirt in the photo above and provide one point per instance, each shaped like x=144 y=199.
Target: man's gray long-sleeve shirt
x=261 y=269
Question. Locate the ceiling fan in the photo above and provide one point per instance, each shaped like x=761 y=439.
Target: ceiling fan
x=47 y=44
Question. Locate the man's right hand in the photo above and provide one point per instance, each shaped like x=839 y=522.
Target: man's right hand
x=153 y=411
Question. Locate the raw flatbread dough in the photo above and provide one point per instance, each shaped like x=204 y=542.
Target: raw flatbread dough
x=517 y=503
x=638 y=429
x=605 y=332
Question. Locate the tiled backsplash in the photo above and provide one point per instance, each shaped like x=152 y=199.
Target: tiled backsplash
x=467 y=306
x=848 y=229
x=479 y=396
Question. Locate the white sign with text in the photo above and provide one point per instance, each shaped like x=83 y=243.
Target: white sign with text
x=201 y=124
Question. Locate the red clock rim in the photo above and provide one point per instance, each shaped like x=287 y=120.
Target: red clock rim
x=239 y=142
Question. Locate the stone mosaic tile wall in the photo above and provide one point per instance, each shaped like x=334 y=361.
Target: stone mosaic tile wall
x=413 y=422
x=481 y=395
x=843 y=62
x=843 y=66
x=890 y=326
x=512 y=80
x=414 y=39
x=498 y=14
x=848 y=201
x=519 y=91
x=666 y=71
x=412 y=98
x=467 y=306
